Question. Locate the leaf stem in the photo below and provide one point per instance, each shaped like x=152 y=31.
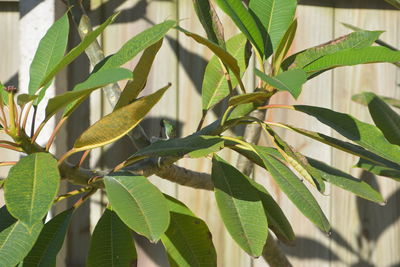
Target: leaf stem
x=84 y=198
x=8 y=163
x=72 y=193
x=65 y=156
x=277 y=106
x=55 y=132
x=26 y=115
x=11 y=147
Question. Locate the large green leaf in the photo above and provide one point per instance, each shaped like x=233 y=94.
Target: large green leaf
x=346 y=181
x=76 y=51
x=140 y=74
x=240 y=207
x=50 y=51
x=245 y=22
x=291 y=81
x=277 y=220
x=386 y=119
x=49 y=242
x=137 y=44
x=187 y=241
x=350 y=57
x=215 y=86
x=209 y=19
x=117 y=124
x=225 y=57
x=275 y=15
x=196 y=146
x=358 y=39
x=16 y=239
x=283 y=47
x=31 y=186
x=82 y=90
x=379 y=169
x=112 y=243
x=295 y=190
x=139 y=204
x=364 y=134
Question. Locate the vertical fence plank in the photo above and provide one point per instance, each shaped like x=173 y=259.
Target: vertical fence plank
x=369 y=230
x=312 y=247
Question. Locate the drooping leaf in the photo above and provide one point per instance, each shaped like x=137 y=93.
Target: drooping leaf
x=364 y=134
x=188 y=241
x=117 y=124
x=255 y=97
x=140 y=74
x=31 y=186
x=215 y=86
x=243 y=19
x=291 y=81
x=386 y=119
x=240 y=207
x=16 y=239
x=209 y=19
x=196 y=146
x=283 y=47
x=275 y=15
x=277 y=220
x=346 y=181
x=296 y=191
x=379 y=169
x=81 y=91
x=50 y=51
x=351 y=57
x=138 y=203
x=76 y=51
x=225 y=57
x=112 y=243
x=135 y=45
x=353 y=40
x=49 y=242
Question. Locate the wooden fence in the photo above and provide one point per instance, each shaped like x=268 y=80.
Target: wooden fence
x=364 y=234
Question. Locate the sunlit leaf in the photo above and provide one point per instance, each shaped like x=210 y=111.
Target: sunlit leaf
x=140 y=74
x=240 y=207
x=291 y=81
x=24 y=99
x=49 y=242
x=117 y=124
x=284 y=46
x=31 y=186
x=50 y=51
x=379 y=169
x=138 y=203
x=188 y=241
x=215 y=86
x=112 y=243
x=255 y=97
x=296 y=191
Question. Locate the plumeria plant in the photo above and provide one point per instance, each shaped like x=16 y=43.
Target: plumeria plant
x=267 y=29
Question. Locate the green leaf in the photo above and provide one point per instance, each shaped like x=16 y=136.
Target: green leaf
x=140 y=74
x=49 y=242
x=16 y=240
x=139 y=204
x=351 y=57
x=295 y=190
x=209 y=19
x=196 y=146
x=359 y=39
x=277 y=220
x=275 y=15
x=137 y=44
x=364 y=134
x=255 y=97
x=291 y=81
x=215 y=86
x=77 y=50
x=117 y=124
x=225 y=57
x=386 y=119
x=31 y=186
x=188 y=241
x=50 y=51
x=346 y=181
x=283 y=47
x=112 y=243
x=395 y=3
x=245 y=22
x=359 y=98
x=3 y=95
x=240 y=207
x=379 y=169
x=24 y=99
